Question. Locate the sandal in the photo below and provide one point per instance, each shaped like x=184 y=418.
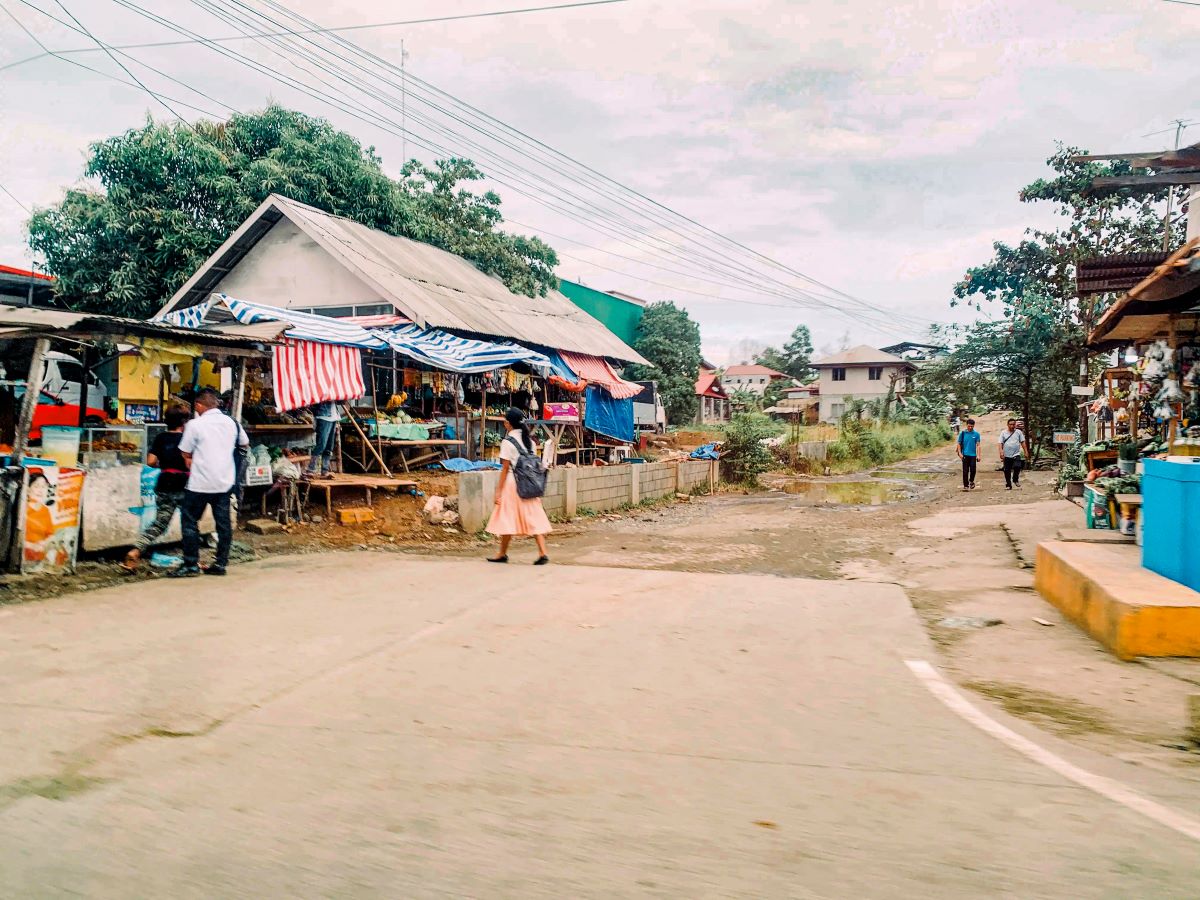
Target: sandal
x=130 y=564
x=498 y=559
x=541 y=561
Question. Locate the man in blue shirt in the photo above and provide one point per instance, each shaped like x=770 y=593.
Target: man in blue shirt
x=968 y=452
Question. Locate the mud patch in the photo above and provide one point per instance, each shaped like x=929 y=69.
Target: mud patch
x=1058 y=713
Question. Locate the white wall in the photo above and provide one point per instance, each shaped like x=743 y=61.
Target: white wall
x=756 y=384
x=857 y=386
x=289 y=270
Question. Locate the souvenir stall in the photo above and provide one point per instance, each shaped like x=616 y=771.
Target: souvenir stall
x=1156 y=479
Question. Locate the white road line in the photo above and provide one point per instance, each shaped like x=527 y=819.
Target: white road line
x=1105 y=787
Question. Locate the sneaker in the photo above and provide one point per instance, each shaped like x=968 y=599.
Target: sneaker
x=541 y=561
x=215 y=570
x=972 y=485
x=1008 y=487
x=184 y=572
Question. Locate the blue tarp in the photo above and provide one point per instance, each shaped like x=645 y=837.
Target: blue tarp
x=458 y=464
x=609 y=417
x=708 y=451
x=560 y=368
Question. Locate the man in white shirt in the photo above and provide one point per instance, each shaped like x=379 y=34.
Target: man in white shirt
x=1012 y=445
x=208 y=445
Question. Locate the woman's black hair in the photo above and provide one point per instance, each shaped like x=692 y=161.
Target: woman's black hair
x=516 y=419
x=176 y=417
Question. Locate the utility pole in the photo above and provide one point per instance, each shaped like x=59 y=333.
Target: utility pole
x=1180 y=125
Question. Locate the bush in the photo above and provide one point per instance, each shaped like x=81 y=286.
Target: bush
x=743 y=452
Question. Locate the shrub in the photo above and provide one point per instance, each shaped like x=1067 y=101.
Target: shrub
x=744 y=455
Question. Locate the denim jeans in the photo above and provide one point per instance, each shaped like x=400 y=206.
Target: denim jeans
x=192 y=510
x=969 y=467
x=323 y=451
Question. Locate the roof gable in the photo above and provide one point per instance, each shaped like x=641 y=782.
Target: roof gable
x=861 y=355
x=432 y=287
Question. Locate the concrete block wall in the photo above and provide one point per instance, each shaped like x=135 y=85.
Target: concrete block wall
x=599 y=489
x=818 y=450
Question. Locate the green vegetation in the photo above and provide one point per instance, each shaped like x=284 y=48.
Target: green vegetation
x=670 y=340
x=865 y=443
x=172 y=193
x=743 y=454
x=794 y=359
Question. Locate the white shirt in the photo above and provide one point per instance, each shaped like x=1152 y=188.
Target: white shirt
x=210 y=440
x=508 y=450
x=1011 y=441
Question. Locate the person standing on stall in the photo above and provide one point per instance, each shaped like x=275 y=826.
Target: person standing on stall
x=968 y=452
x=513 y=513
x=209 y=444
x=165 y=456
x=325 y=418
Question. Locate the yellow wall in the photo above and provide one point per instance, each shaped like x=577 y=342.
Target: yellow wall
x=137 y=382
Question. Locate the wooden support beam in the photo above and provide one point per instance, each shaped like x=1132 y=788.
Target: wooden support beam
x=33 y=392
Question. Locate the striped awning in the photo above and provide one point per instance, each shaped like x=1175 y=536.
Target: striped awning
x=304 y=326
x=443 y=350
x=305 y=373
x=597 y=371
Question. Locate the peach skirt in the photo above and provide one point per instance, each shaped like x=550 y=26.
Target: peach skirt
x=515 y=516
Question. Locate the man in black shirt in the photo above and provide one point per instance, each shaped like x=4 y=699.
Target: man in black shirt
x=165 y=456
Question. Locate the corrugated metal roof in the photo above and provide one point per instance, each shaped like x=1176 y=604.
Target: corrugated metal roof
x=431 y=286
x=861 y=355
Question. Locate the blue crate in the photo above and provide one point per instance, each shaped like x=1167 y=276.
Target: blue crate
x=1171 y=519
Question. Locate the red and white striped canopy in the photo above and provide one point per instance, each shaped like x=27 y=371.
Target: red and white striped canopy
x=306 y=372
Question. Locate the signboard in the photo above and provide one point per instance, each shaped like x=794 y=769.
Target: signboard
x=50 y=519
x=561 y=412
x=1084 y=390
x=1064 y=437
x=141 y=413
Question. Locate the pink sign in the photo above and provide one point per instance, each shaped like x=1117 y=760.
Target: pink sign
x=562 y=411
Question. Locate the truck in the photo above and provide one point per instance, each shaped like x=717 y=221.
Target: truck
x=648 y=411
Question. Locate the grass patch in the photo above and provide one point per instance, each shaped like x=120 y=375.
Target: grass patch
x=1060 y=714
x=61 y=787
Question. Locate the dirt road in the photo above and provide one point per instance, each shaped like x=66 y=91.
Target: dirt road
x=670 y=710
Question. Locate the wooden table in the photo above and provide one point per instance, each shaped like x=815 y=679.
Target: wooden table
x=435 y=448
x=367 y=483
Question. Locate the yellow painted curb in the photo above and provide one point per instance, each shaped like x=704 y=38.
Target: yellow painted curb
x=1104 y=590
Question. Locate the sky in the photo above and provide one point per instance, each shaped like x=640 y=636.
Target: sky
x=876 y=148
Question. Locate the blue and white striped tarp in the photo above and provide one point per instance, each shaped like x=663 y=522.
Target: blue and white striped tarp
x=304 y=326
x=443 y=350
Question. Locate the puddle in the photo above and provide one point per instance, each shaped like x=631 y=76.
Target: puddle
x=848 y=493
x=910 y=476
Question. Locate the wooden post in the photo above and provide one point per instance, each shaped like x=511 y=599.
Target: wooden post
x=367 y=443
x=482 y=421
x=239 y=390
x=33 y=392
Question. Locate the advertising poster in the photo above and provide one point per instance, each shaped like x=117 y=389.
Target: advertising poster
x=51 y=519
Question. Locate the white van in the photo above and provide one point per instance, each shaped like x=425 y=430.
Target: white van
x=62 y=377
x=648 y=411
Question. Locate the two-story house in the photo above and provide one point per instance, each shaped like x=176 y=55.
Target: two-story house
x=752 y=378
x=860 y=373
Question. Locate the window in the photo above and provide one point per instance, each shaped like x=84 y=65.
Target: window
x=875 y=373
x=839 y=374
x=837 y=410
x=762 y=381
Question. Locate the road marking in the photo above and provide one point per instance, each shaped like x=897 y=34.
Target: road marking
x=1105 y=787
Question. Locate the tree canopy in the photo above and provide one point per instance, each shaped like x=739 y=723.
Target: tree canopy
x=794 y=358
x=169 y=195
x=670 y=340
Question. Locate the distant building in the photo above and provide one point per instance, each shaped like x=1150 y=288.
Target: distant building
x=860 y=373
x=752 y=378
x=619 y=313
x=714 y=401
x=25 y=288
x=917 y=353
x=802 y=391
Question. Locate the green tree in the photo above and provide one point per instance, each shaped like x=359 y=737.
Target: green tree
x=171 y=194
x=794 y=359
x=670 y=340
x=743 y=452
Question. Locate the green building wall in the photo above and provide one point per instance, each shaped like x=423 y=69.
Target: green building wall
x=619 y=316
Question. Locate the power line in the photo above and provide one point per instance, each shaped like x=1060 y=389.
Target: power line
x=14 y=199
x=124 y=68
x=242 y=37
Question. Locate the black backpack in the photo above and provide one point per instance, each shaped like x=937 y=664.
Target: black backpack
x=528 y=472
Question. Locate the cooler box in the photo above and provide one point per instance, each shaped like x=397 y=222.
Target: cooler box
x=1170 y=514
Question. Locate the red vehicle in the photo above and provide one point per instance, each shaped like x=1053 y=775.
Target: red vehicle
x=53 y=411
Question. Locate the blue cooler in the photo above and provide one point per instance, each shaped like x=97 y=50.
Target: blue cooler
x=1171 y=519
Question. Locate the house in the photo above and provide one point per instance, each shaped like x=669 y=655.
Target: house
x=714 y=401
x=860 y=373
x=752 y=378
x=293 y=256
x=808 y=391
x=619 y=313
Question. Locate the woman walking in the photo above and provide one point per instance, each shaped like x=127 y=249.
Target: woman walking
x=512 y=514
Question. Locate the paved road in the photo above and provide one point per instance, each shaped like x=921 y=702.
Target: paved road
x=367 y=725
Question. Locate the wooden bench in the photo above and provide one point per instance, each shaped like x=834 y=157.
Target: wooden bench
x=366 y=483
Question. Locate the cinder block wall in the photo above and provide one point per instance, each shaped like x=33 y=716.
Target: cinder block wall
x=599 y=489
